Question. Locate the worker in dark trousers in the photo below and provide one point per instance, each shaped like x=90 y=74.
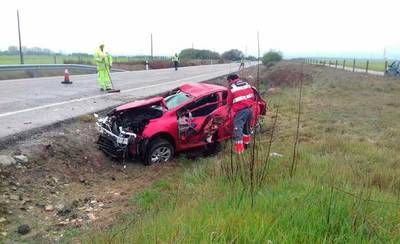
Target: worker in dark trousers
x=175 y=60
x=241 y=100
x=241 y=64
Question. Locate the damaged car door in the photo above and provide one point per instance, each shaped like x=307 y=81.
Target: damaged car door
x=199 y=121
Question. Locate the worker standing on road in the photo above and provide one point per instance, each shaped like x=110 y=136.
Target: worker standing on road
x=241 y=63
x=241 y=100
x=104 y=63
x=175 y=60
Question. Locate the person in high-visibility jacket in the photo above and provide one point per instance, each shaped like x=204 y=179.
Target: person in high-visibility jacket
x=241 y=100
x=175 y=60
x=104 y=63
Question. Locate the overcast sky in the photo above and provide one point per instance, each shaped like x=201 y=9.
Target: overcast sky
x=307 y=27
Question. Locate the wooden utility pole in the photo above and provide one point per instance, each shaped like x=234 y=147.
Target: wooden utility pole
x=21 y=57
x=151 y=45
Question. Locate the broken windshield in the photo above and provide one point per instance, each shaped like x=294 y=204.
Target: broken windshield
x=174 y=100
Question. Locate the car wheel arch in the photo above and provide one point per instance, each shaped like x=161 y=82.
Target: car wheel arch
x=165 y=136
x=154 y=141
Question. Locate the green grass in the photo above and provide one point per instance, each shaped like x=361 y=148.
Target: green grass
x=345 y=188
x=41 y=59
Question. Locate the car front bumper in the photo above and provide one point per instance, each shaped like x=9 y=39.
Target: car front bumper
x=112 y=144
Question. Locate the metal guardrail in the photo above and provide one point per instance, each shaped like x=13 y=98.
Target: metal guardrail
x=37 y=67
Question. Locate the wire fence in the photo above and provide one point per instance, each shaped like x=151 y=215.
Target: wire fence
x=354 y=65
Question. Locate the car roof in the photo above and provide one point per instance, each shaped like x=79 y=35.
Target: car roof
x=200 y=89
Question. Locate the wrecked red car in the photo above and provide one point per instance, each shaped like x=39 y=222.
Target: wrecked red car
x=189 y=117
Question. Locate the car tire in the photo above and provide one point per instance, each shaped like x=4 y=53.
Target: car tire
x=159 y=151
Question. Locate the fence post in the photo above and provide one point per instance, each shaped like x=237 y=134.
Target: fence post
x=55 y=59
x=344 y=63
x=366 y=68
x=386 y=65
x=336 y=64
x=354 y=64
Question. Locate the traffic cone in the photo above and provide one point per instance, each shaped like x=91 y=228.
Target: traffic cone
x=66 y=78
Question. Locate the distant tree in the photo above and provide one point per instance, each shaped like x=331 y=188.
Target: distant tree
x=12 y=50
x=33 y=51
x=232 y=54
x=251 y=58
x=272 y=56
x=47 y=51
x=191 y=53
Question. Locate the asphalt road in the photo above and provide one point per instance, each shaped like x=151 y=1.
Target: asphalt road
x=27 y=104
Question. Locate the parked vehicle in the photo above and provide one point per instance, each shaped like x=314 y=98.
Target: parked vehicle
x=393 y=69
x=189 y=117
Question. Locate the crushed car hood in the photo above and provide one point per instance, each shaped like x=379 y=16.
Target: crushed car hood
x=141 y=103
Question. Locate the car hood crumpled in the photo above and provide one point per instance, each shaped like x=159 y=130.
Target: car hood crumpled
x=141 y=103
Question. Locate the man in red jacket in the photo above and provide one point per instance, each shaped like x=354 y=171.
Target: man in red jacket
x=241 y=101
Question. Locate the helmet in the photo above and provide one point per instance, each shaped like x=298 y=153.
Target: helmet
x=232 y=77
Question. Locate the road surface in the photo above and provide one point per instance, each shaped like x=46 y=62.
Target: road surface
x=27 y=104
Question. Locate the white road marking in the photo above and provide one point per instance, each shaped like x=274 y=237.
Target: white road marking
x=102 y=95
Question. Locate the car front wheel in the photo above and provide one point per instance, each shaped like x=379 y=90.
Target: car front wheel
x=159 y=151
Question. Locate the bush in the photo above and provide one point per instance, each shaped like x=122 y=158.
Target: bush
x=251 y=58
x=271 y=56
x=233 y=55
x=191 y=53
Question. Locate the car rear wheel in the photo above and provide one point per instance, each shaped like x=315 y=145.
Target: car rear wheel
x=159 y=151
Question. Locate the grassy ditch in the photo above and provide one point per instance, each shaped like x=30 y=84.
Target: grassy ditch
x=344 y=187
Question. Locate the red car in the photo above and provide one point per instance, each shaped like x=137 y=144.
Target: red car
x=191 y=116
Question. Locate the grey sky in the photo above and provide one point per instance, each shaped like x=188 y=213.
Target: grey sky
x=308 y=27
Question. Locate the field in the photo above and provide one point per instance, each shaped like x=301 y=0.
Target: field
x=42 y=59
x=344 y=185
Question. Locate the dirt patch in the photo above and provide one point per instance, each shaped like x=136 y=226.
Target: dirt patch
x=281 y=74
x=67 y=184
x=285 y=74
